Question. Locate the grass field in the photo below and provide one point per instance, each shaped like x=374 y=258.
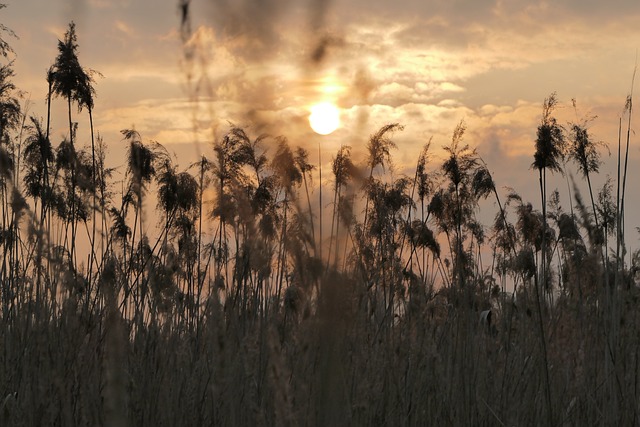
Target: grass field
x=244 y=308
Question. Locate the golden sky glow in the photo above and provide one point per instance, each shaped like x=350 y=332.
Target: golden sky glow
x=424 y=64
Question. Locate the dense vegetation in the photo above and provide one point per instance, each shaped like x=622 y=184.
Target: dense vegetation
x=244 y=311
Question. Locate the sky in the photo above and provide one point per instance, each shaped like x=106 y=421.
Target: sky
x=426 y=64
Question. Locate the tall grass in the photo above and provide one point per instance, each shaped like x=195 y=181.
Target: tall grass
x=229 y=314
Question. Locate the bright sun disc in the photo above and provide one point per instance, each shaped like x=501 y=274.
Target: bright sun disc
x=324 y=118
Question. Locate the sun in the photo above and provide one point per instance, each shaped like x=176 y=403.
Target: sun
x=324 y=118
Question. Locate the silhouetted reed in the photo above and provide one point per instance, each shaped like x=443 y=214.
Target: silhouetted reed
x=235 y=310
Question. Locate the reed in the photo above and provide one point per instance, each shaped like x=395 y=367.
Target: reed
x=228 y=314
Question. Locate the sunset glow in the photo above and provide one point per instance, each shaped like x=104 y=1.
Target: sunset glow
x=324 y=118
x=425 y=65
x=182 y=244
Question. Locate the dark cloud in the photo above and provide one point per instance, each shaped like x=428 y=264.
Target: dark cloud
x=257 y=20
x=323 y=45
x=264 y=26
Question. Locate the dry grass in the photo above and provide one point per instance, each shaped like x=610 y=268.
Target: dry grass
x=334 y=367
x=249 y=324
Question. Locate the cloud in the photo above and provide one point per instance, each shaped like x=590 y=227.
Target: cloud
x=430 y=53
x=426 y=64
x=258 y=28
x=125 y=29
x=100 y=4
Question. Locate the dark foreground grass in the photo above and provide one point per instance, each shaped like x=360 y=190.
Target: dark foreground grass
x=336 y=365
